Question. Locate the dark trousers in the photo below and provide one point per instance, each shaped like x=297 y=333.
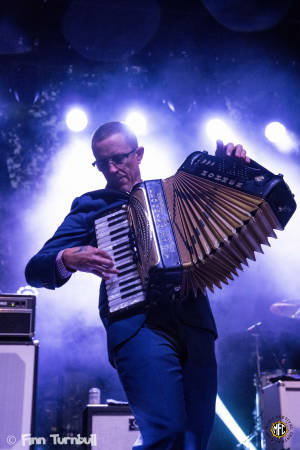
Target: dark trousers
x=169 y=374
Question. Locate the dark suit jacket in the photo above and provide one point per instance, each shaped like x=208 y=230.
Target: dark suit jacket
x=78 y=229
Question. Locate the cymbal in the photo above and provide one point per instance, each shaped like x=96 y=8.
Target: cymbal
x=289 y=309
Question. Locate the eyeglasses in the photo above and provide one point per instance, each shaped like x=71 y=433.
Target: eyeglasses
x=103 y=164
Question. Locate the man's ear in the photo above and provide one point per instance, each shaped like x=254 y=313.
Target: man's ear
x=139 y=154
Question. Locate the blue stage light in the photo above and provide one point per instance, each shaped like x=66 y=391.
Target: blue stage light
x=137 y=122
x=76 y=119
x=218 y=129
x=277 y=133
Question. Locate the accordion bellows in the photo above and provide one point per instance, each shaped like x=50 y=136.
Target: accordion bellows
x=220 y=210
x=217 y=228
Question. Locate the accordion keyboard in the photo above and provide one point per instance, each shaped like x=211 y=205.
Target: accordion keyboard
x=112 y=233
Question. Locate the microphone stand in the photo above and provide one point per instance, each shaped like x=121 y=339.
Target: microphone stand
x=258 y=395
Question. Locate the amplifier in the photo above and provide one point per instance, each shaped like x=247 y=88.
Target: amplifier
x=18 y=372
x=110 y=427
x=17 y=315
x=281 y=415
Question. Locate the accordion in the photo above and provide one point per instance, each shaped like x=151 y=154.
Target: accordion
x=193 y=230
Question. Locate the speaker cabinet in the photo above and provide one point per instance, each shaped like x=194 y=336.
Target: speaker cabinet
x=18 y=370
x=281 y=402
x=110 y=427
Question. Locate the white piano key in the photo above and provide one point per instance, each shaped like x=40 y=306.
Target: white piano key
x=122 y=263
x=137 y=297
x=117 y=280
x=104 y=231
x=108 y=217
x=125 y=303
x=108 y=246
x=122 y=253
x=123 y=280
x=117 y=293
x=107 y=240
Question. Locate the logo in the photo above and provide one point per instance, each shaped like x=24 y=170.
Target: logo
x=279 y=429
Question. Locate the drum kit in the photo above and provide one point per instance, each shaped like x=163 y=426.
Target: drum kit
x=277 y=391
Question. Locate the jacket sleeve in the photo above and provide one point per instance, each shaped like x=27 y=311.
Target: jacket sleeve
x=75 y=230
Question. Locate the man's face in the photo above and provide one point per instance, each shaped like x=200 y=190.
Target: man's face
x=119 y=176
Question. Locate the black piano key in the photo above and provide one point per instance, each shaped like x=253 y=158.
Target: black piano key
x=122 y=251
x=122 y=214
x=130 y=280
x=119 y=230
x=119 y=303
x=112 y=224
x=131 y=286
x=119 y=237
x=103 y=221
x=121 y=257
x=109 y=232
x=122 y=244
x=109 y=245
x=125 y=265
x=116 y=293
x=118 y=282
x=130 y=294
x=125 y=272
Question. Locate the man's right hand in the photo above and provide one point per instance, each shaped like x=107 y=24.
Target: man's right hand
x=89 y=259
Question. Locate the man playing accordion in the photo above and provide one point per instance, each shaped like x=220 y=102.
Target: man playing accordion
x=164 y=354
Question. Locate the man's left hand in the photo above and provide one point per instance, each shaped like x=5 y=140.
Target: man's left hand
x=228 y=149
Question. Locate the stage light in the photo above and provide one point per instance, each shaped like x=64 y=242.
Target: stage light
x=76 y=119
x=232 y=425
x=137 y=122
x=277 y=133
x=218 y=129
